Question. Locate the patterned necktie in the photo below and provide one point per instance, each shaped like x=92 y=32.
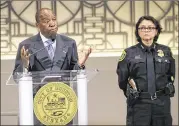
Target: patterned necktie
x=150 y=73
x=50 y=49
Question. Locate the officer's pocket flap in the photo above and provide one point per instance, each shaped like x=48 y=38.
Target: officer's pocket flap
x=162 y=64
x=162 y=60
x=138 y=66
x=159 y=60
x=137 y=60
x=166 y=60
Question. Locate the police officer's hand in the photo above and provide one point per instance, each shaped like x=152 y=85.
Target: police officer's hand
x=25 y=57
x=83 y=56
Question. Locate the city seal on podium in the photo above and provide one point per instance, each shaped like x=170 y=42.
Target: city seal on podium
x=55 y=104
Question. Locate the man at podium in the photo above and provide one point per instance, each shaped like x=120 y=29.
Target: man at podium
x=48 y=51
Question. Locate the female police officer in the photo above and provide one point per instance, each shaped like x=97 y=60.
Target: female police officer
x=151 y=67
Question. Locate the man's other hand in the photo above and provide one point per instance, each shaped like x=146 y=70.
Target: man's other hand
x=83 y=56
x=25 y=57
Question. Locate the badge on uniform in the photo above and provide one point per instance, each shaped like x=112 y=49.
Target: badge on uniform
x=160 y=53
x=123 y=55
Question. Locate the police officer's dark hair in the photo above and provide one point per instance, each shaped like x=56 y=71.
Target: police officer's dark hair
x=37 y=15
x=156 y=23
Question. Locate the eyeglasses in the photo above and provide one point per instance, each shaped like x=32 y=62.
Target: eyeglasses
x=148 y=29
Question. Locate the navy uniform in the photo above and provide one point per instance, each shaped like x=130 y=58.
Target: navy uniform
x=148 y=109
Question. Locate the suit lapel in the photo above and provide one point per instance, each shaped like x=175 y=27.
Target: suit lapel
x=41 y=53
x=60 y=53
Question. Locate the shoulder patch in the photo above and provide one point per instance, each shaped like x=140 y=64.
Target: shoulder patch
x=123 y=55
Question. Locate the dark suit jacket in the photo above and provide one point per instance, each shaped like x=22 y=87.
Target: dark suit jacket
x=65 y=58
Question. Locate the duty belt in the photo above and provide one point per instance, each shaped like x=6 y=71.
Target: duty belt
x=146 y=95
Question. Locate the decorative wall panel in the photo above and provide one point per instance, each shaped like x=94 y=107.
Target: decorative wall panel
x=107 y=26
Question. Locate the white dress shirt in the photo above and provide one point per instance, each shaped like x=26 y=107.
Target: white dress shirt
x=44 y=39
